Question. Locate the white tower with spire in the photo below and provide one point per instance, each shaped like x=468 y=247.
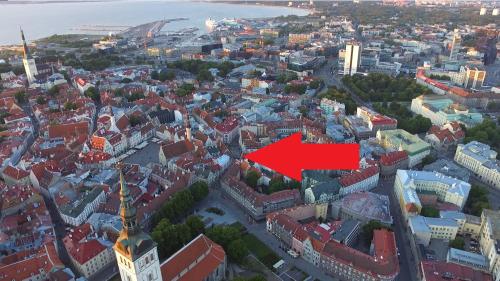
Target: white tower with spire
x=113 y=126
x=28 y=61
x=136 y=252
x=187 y=124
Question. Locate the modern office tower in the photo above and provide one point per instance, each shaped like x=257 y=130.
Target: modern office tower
x=352 y=58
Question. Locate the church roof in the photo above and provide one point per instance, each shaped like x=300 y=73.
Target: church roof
x=195 y=261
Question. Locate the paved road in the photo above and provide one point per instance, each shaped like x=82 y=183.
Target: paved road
x=408 y=267
x=59 y=227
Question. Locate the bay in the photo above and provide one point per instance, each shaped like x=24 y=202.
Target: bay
x=44 y=19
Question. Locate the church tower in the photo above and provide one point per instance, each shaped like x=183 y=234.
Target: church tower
x=135 y=251
x=187 y=124
x=28 y=61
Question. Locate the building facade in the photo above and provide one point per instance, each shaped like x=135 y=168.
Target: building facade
x=352 y=58
x=480 y=160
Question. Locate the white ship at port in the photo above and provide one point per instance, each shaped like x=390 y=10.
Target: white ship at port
x=210 y=23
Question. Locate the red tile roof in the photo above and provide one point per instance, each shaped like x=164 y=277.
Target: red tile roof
x=358 y=176
x=393 y=157
x=385 y=263
x=94 y=156
x=15 y=173
x=195 y=262
x=68 y=130
x=177 y=148
x=87 y=250
x=30 y=263
x=227 y=126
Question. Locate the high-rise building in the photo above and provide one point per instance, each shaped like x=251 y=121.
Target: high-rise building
x=494 y=12
x=352 y=58
x=135 y=251
x=28 y=61
x=482 y=11
x=455 y=45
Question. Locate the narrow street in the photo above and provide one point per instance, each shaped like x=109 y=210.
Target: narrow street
x=408 y=268
x=59 y=228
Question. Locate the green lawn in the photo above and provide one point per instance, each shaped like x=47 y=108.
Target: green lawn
x=260 y=250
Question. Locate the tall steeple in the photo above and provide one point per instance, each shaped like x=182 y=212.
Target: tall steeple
x=136 y=252
x=26 y=52
x=187 y=124
x=28 y=61
x=128 y=212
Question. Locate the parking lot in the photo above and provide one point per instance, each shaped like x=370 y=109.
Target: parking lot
x=291 y=273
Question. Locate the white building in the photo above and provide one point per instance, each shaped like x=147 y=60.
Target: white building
x=424 y=229
x=352 y=58
x=490 y=240
x=481 y=160
x=446 y=188
x=28 y=62
x=441 y=110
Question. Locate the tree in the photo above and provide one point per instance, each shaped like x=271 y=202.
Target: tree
x=154 y=75
x=458 y=243
x=166 y=75
x=93 y=94
x=430 y=212
x=195 y=225
x=252 y=179
x=184 y=90
x=199 y=190
x=477 y=200
x=70 y=105
x=135 y=96
x=118 y=92
x=223 y=235
x=205 y=75
x=20 y=97
x=428 y=160
x=237 y=251
x=315 y=84
x=134 y=120
x=41 y=100
x=53 y=91
x=276 y=184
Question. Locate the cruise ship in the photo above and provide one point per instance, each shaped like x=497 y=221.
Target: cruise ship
x=210 y=23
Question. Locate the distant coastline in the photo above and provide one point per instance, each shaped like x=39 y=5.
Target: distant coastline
x=18 y=2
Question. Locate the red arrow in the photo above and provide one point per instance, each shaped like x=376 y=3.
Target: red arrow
x=290 y=156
